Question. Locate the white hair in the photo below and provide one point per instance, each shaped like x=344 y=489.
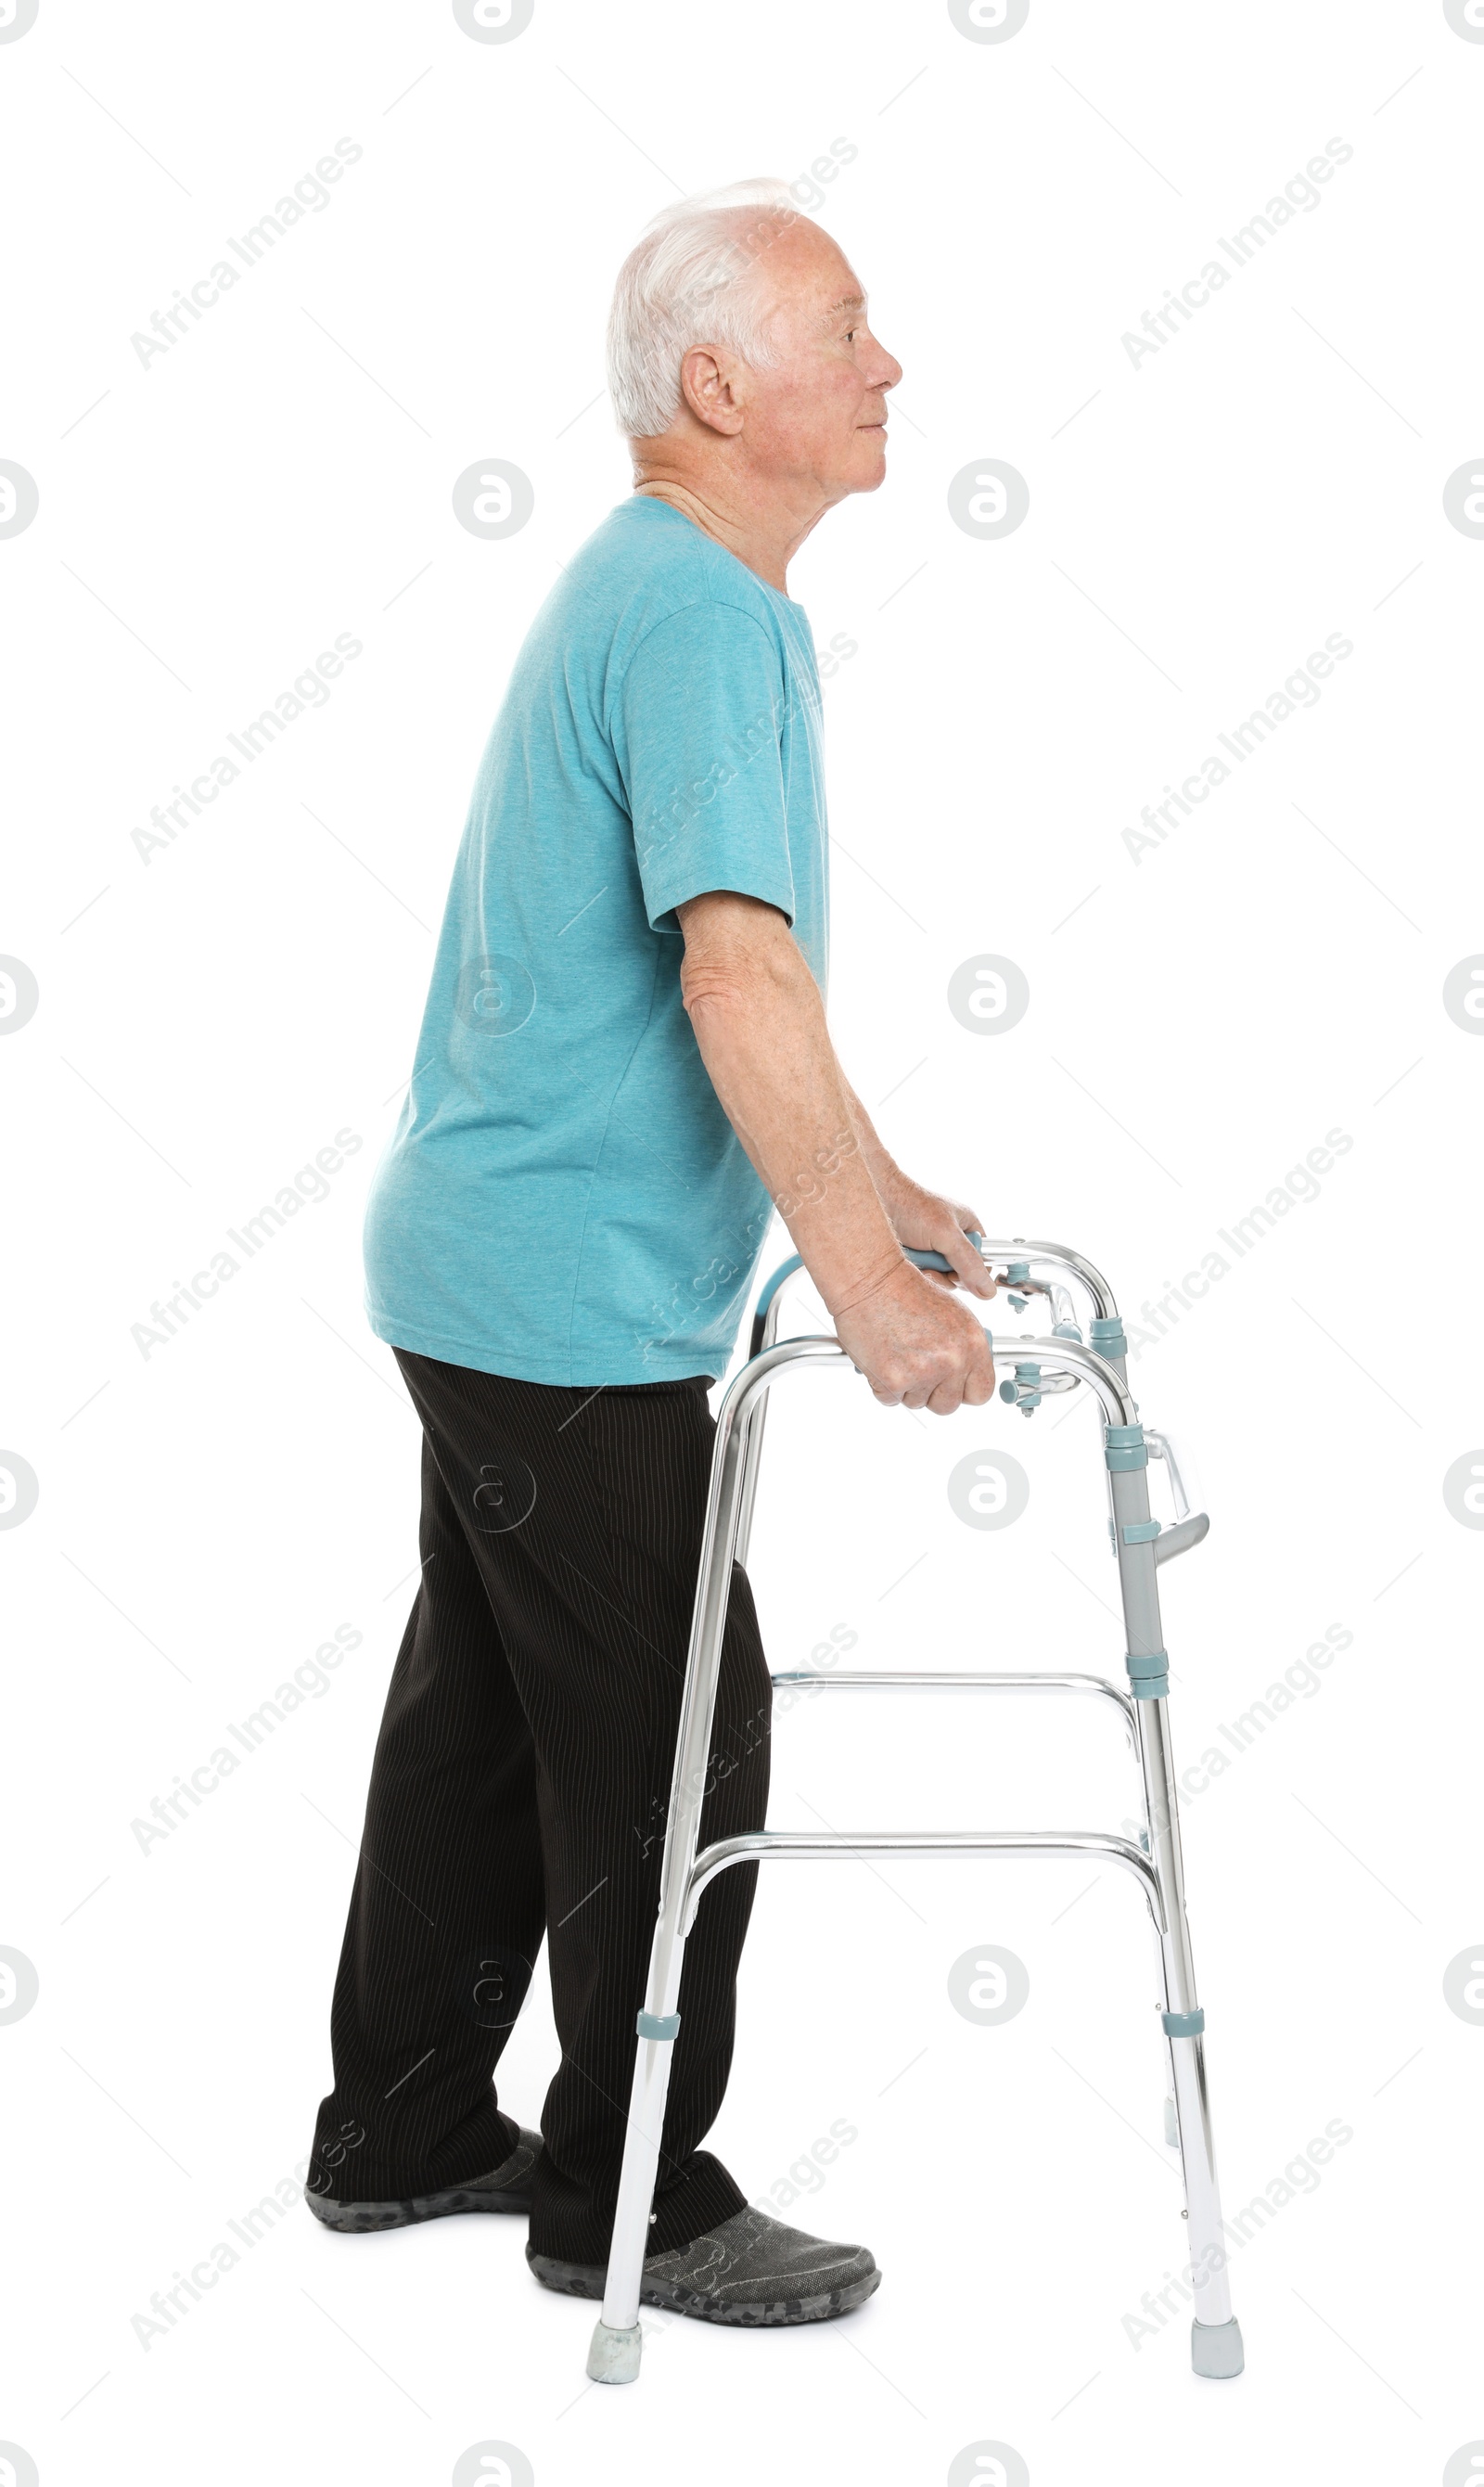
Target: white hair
x=691 y=281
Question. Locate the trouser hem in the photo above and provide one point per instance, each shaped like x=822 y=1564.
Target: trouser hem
x=684 y=2210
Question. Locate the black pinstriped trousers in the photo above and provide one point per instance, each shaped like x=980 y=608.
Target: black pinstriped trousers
x=520 y=1786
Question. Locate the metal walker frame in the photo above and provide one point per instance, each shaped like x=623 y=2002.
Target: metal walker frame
x=1045 y=1365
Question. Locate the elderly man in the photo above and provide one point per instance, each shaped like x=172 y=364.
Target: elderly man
x=623 y=1068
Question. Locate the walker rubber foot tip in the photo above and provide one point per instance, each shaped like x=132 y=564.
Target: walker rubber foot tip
x=614 y=2356
x=1216 y=2349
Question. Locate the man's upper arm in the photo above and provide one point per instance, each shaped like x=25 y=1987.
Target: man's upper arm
x=735 y=946
x=697 y=736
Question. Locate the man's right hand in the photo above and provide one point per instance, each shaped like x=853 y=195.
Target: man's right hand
x=917 y=1345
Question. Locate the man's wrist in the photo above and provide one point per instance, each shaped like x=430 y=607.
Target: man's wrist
x=861 y=1291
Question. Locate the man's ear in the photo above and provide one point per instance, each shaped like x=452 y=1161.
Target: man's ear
x=706 y=385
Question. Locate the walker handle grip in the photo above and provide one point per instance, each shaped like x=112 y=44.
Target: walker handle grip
x=938 y=1260
x=787 y=1268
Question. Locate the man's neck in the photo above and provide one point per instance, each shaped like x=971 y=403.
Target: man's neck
x=765 y=540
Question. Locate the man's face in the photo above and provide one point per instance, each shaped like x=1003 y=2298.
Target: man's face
x=818 y=416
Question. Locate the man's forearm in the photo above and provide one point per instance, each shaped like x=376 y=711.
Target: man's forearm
x=885 y=1169
x=759 y=1021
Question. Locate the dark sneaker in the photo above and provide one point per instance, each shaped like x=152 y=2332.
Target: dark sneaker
x=505 y=2188
x=751 y=2270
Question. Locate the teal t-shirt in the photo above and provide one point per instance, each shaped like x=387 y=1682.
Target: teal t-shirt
x=564 y=1199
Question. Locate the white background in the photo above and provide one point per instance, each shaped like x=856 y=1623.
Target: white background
x=1198 y=1021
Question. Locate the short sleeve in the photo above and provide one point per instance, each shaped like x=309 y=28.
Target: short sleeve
x=697 y=735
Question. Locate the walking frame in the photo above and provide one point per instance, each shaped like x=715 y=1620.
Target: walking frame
x=1045 y=1365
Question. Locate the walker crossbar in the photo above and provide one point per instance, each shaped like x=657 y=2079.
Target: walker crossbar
x=810 y=1844
x=1140 y=1544
x=915 y=1679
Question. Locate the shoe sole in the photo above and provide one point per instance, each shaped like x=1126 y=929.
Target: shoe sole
x=589 y=2280
x=364 y=2219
